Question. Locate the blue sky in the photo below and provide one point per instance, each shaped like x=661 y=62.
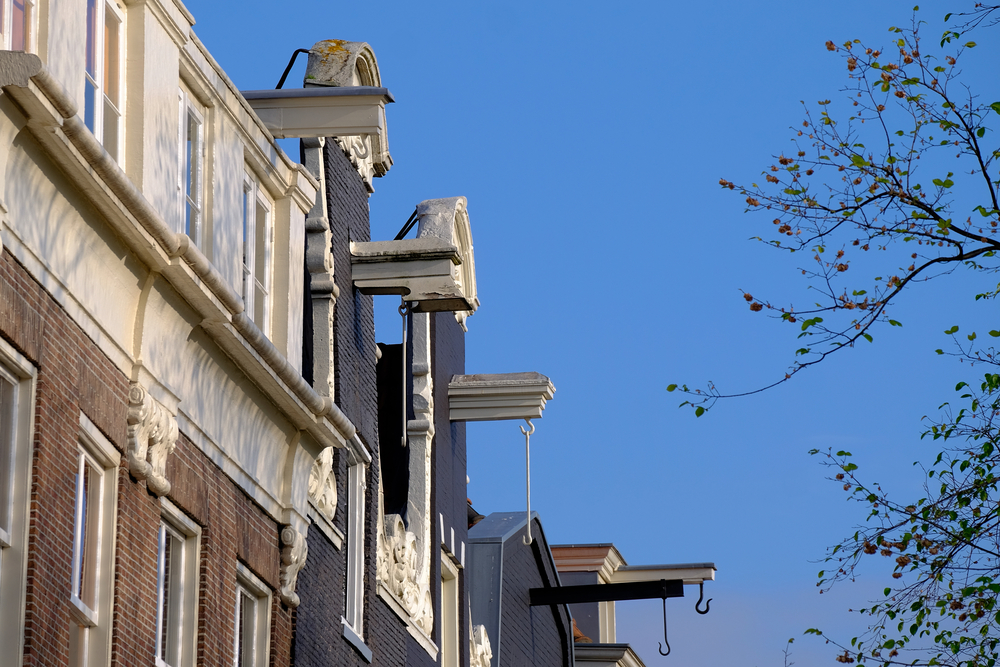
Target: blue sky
x=589 y=139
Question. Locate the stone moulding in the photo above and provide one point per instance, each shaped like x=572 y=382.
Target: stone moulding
x=152 y=436
x=498 y=396
x=480 y=652
x=294 y=552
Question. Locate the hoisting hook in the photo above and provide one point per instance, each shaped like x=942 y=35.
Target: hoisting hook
x=664 y=630
x=527 y=471
x=701 y=595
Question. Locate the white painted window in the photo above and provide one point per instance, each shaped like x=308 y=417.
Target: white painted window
x=450 y=656
x=17 y=23
x=93 y=546
x=17 y=386
x=354 y=612
x=102 y=106
x=192 y=167
x=253 y=607
x=258 y=234
x=176 y=588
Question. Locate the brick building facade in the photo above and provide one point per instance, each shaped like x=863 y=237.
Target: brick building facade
x=191 y=437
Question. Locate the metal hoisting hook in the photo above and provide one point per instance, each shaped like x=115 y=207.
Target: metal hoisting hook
x=701 y=595
x=665 y=640
x=404 y=310
x=527 y=471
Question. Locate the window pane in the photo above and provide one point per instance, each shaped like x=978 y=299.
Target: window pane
x=260 y=265
x=6 y=450
x=19 y=28
x=91 y=56
x=89 y=103
x=165 y=605
x=110 y=138
x=112 y=30
x=90 y=542
x=248 y=624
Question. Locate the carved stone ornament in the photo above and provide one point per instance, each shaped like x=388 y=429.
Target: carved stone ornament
x=323 y=485
x=480 y=652
x=294 y=551
x=396 y=565
x=152 y=436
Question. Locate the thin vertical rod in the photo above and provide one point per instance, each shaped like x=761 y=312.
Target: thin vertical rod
x=404 y=308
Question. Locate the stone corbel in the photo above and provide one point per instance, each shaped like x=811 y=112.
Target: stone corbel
x=294 y=552
x=152 y=436
x=323 y=485
x=396 y=565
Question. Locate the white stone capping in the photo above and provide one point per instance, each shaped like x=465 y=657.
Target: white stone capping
x=498 y=396
x=52 y=119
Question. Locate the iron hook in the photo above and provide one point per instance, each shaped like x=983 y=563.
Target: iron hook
x=527 y=471
x=701 y=595
x=666 y=641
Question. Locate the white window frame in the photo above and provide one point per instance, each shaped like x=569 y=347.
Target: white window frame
x=192 y=207
x=251 y=590
x=90 y=636
x=15 y=484
x=29 y=25
x=355 y=584
x=253 y=275
x=95 y=119
x=450 y=608
x=182 y=626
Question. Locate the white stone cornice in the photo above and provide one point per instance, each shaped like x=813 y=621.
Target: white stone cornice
x=52 y=120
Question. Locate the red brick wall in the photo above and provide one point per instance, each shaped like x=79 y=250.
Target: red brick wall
x=75 y=376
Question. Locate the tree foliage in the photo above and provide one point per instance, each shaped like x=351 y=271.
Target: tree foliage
x=944 y=605
x=905 y=185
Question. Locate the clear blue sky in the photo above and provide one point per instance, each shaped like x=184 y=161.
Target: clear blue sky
x=589 y=139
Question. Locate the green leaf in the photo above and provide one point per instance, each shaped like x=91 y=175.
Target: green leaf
x=995 y=333
x=981 y=132
x=699 y=411
x=970 y=45
x=895 y=323
x=995 y=106
x=858 y=161
x=867 y=337
x=952 y=330
x=671 y=387
x=972 y=336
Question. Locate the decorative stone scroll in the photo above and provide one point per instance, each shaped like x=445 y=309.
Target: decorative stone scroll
x=152 y=436
x=323 y=485
x=294 y=552
x=396 y=565
x=480 y=652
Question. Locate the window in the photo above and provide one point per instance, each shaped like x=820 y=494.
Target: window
x=354 y=611
x=176 y=588
x=192 y=153
x=17 y=383
x=102 y=107
x=253 y=606
x=257 y=236
x=93 y=544
x=450 y=656
x=16 y=25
